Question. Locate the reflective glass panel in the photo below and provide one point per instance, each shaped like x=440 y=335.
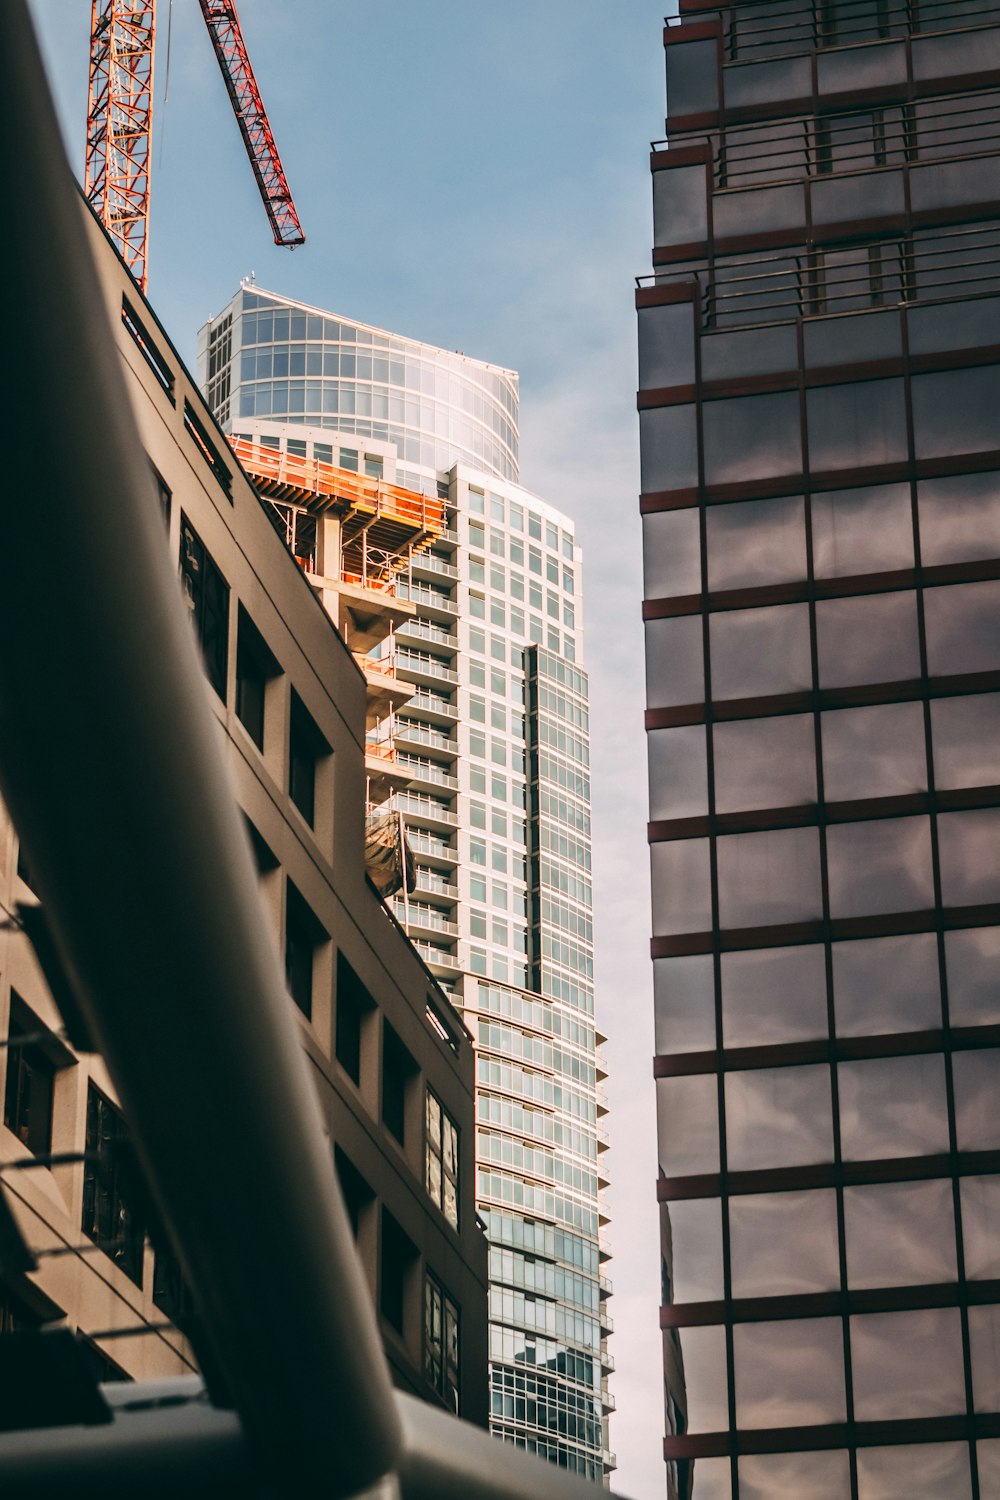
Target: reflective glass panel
x=773 y=995
x=853 y=426
x=682 y=891
x=872 y=638
x=668 y=448
x=671 y=552
x=755 y=543
x=886 y=984
x=959 y=518
x=892 y=1106
x=692 y=1235
x=908 y=1364
x=687 y=1114
x=877 y=751
x=703 y=1374
x=988 y=1462
x=778 y=1117
x=764 y=763
x=954 y=411
x=977 y=1091
x=969 y=844
x=710 y=1479
x=862 y=531
x=963 y=628
x=966 y=737
x=678 y=772
x=789 y=1374
x=900 y=1233
x=880 y=866
x=768 y=878
x=984 y=1340
x=784 y=1244
x=927 y=1471
x=752 y=437
x=972 y=958
x=757 y=652
x=684 y=1003
x=806 y=1476
x=981 y=1227
x=675 y=662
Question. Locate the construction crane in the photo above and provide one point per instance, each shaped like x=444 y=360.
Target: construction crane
x=120 y=122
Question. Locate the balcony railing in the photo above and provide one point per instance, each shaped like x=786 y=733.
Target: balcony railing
x=772 y=28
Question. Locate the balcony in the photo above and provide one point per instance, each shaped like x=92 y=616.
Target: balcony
x=430 y=599
x=432 y=848
x=409 y=732
x=434 y=706
x=425 y=772
x=777 y=28
x=425 y=811
x=426 y=562
x=429 y=882
x=423 y=630
x=417 y=664
x=386 y=692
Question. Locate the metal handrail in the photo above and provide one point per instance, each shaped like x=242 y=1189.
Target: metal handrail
x=813 y=26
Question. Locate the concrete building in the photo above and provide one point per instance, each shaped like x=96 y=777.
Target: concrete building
x=391 y=1060
x=820 y=381
x=481 y=744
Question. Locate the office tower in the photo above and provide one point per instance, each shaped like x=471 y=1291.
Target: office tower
x=819 y=347
x=386 y=1050
x=481 y=743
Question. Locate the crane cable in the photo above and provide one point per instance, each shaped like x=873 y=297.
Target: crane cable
x=166 y=76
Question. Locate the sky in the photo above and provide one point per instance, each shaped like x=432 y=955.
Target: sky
x=475 y=176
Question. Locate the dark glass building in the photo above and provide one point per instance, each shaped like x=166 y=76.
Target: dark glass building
x=820 y=415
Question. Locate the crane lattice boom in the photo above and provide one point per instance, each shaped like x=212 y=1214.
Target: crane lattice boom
x=119 y=124
x=227 y=39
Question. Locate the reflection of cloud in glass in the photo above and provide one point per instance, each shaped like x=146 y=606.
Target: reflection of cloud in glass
x=977 y=1087
x=767 y=878
x=900 y=1233
x=778 y=1117
x=967 y=739
x=963 y=628
x=874 y=752
x=872 y=639
x=928 y=1471
x=970 y=856
x=881 y=866
x=818 y=1476
x=759 y=542
x=908 y=1364
x=773 y=995
x=892 y=1107
x=783 y=1244
x=887 y=984
x=760 y=651
x=789 y=1374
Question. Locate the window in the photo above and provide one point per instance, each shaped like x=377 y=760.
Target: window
x=303 y=935
x=442 y=1159
x=207 y=596
x=441 y=1343
x=27 y=1109
x=358 y=1196
x=170 y=1290
x=354 y=1004
x=148 y=349
x=107 y=1218
x=349 y=459
x=398 y=1068
x=164 y=493
x=374 y=464
x=255 y=664
x=306 y=747
x=208 y=450
x=397 y=1260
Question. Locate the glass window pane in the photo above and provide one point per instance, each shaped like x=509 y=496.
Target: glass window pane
x=773 y=995
x=682 y=890
x=966 y=737
x=988 y=1461
x=710 y=1479
x=678 y=772
x=963 y=628
x=675 y=662
x=789 y=1374
x=878 y=867
x=756 y=652
x=684 y=1003
x=868 y=639
x=877 y=751
x=900 y=1233
x=892 y=1106
x=668 y=448
x=768 y=878
x=984 y=1341
x=853 y=426
x=778 y=1117
x=692 y=1246
x=784 y=1244
x=755 y=543
x=804 y=1476
x=972 y=958
x=908 y=1364
x=886 y=984
x=764 y=763
x=977 y=1090
x=927 y=1471
x=752 y=437
x=955 y=411
x=959 y=518
x=969 y=844
x=687 y=1114
x=862 y=531
x=698 y=1357
x=981 y=1227
x=671 y=552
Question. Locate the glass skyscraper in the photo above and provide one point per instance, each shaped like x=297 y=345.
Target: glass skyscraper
x=487 y=739
x=820 y=389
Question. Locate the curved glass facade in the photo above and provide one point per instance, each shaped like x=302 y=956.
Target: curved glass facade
x=291 y=363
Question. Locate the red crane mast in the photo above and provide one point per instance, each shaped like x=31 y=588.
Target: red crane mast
x=120 y=122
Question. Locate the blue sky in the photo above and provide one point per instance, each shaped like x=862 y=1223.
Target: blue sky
x=477 y=176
